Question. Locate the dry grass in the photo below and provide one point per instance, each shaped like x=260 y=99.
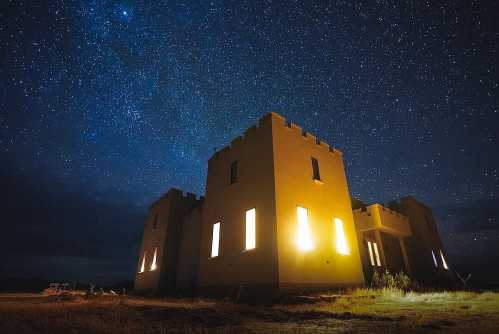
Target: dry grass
x=359 y=311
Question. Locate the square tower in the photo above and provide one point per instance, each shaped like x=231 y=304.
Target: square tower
x=162 y=243
x=277 y=215
x=425 y=248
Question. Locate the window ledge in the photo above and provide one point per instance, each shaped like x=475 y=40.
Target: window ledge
x=317 y=181
x=248 y=250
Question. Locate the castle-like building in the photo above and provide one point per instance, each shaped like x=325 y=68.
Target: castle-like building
x=278 y=218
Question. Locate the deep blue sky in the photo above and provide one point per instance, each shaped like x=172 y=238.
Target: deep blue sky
x=107 y=104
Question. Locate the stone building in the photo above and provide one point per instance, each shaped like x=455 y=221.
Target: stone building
x=277 y=217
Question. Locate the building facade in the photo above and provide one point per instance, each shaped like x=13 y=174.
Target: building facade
x=277 y=217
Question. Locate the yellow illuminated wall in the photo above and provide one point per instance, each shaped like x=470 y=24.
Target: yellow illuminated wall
x=331 y=257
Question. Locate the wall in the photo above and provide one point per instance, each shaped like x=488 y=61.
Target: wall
x=393 y=221
x=376 y=216
x=189 y=252
x=236 y=269
x=321 y=267
x=170 y=209
x=425 y=238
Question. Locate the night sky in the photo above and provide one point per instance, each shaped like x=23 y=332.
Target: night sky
x=105 y=105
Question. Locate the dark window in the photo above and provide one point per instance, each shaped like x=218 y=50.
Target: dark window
x=315 y=169
x=155 y=223
x=233 y=172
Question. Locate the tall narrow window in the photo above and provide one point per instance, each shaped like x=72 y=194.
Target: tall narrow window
x=250 y=229
x=155 y=223
x=443 y=261
x=341 y=241
x=434 y=259
x=315 y=169
x=304 y=238
x=378 y=262
x=153 y=263
x=233 y=172
x=143 y=265
x=369 y=247
x=215 y=241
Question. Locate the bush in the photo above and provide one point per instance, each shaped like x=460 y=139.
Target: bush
x=387 y=280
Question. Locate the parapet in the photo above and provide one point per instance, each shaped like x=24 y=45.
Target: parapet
x=307 y=135
x=402 y=203
x=267 y=120
x=250 y=133
x=177 y=193
x=382 y=218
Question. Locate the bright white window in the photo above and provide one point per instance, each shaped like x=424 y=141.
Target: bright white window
x=443 y=261
x=341 y=241
x=143 y=265
x=378 y=262
x=434 y=259
x=369 y=247
x=304 y=238
x=153 y=263
x=215 y=241
x=250 y=229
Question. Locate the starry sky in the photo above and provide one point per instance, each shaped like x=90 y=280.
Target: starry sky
x=107 y=104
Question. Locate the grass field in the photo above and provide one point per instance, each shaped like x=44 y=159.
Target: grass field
x=360 y=311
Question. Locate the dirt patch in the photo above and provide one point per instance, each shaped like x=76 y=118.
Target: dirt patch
x=409 y=314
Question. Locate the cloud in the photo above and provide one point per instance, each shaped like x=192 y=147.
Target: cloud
x=55 y=233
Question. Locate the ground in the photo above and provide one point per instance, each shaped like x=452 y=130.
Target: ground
x=360 y=311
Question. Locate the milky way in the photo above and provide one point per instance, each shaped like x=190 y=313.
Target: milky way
x=105 y=105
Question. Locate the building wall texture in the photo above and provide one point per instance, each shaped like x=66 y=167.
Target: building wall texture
x=324 y=199
x=234 y=268
x=274 y=168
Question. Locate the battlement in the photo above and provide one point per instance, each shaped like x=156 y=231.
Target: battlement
x=400 y=204
x=367 y=210
x=392 y=212
x=266 y=121
x=175 y=192
x=377 y=216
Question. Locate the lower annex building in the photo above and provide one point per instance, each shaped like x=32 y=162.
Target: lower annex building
x=277 y=218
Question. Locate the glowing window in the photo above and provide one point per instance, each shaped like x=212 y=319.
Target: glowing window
x=250 y=229
x=378 y=262
x=369 y=246
x=215 y=241
x=443 y=261
x=304 y=239
x=143 y=266
x=434 y=259
x=153 y=263
x=341 y=241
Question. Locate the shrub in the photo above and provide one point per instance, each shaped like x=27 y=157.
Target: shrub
x=387 y=280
